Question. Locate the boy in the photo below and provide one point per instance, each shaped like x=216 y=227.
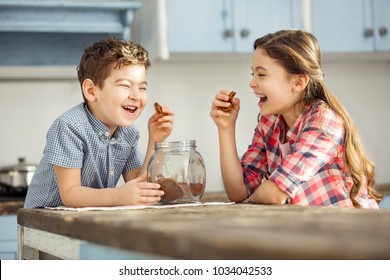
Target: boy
x=90 y=146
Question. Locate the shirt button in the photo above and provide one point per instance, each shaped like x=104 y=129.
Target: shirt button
x=107 y=133
x=111 y=173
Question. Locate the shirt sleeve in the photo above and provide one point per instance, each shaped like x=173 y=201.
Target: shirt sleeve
x=254 y=163
x=64 y=146
x=321 y=140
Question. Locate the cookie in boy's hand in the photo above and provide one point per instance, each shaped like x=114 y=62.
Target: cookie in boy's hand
x=231 y=96
x=158 y=108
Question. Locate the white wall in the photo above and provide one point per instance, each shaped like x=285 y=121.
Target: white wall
x=28 y=106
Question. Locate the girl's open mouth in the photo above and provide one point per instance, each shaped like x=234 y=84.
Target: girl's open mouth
x=262 y=98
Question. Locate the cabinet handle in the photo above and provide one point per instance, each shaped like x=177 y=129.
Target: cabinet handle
x=368 y=32
x=382 y=31
x=228 y=33
x=245 y=32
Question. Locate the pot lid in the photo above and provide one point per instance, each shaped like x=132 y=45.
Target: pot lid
x=21 y=166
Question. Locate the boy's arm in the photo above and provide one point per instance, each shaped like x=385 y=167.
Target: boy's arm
x=148 y=155
x=136 y=191
x=75 y=195
x=132 y=174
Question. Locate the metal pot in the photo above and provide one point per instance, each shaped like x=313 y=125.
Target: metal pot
x=17 y=177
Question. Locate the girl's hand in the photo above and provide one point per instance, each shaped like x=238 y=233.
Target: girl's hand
x=161 y=125
x=268 y=193
x=138 y=192
x=224 y=119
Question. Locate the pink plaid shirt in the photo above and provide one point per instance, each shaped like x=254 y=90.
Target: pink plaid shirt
x=313 y=170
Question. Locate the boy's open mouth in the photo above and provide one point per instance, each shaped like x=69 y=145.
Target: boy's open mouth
x=130 y=109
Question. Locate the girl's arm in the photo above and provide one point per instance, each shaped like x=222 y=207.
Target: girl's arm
x=268 y=193
x=230 y=164
x=231 y=169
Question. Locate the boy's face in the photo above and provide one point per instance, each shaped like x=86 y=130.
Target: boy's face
x=122 y=98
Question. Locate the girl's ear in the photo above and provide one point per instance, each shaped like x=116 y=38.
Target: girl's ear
x=89 y=90
x=300 y=82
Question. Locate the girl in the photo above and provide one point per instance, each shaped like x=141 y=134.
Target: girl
x=305 y=149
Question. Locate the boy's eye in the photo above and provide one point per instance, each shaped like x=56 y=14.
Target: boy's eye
x=124 y=85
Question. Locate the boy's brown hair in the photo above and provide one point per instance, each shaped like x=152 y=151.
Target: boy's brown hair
x=104 y=55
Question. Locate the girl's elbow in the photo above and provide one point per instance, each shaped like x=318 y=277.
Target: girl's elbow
x=236 y=198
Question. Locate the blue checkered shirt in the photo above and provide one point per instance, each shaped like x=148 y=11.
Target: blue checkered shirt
x=78 y=140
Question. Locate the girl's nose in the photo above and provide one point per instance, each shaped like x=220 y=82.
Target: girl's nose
x=252 y=84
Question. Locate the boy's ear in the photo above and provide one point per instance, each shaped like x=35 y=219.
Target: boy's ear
x=300 y=82
x=89 y=90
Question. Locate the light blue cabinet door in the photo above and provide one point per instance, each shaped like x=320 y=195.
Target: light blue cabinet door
x=255 y=18
x=343 y=25
x=381 y=13
x=199 y=26
x=226 y=25
x=8 y=237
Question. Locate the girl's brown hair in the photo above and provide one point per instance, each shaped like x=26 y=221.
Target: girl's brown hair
x=102 y=56
x=299 y=53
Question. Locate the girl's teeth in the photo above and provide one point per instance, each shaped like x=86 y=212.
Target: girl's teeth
x=262 y=97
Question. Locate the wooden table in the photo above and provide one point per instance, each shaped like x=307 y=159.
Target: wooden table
x=238 y=231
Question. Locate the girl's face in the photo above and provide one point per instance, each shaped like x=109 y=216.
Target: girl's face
x=122 y=98
x=273 y=86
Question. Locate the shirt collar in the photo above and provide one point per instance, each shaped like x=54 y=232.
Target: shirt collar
x=100 y=128
x=294 y=130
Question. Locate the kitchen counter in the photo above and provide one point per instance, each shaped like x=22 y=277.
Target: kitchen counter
x=384 y=189
x=238 y=231
x=10 y=207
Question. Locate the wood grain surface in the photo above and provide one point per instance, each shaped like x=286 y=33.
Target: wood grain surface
x=239 y=231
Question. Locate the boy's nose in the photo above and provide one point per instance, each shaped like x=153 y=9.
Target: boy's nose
x=134 y=94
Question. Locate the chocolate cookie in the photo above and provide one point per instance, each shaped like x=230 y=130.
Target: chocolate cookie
x=231 y=96
x=172 y=189
x=158 y=108
x=196 y=188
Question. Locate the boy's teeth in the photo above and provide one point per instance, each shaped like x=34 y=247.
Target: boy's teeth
x=130 y=108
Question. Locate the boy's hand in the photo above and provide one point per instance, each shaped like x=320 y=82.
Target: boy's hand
x=138 y=192
x=161 y=125
x=224 y=119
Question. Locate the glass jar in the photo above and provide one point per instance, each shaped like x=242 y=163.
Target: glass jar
x=179 y=169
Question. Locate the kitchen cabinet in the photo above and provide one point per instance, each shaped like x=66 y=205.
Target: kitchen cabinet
x=226 y=26
x=56 y=32
x=351 y=25
x=8 y=237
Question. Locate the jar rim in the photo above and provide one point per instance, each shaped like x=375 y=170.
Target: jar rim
x=175 y=144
